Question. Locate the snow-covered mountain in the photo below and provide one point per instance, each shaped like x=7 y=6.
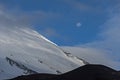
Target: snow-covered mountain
x=25 y=51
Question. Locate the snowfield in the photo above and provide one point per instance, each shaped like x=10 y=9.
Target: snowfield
x=25 y=51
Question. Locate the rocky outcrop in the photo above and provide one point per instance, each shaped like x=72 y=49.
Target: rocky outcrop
x=21 y=66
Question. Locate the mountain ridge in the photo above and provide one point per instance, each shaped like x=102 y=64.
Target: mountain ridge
x=86 y=72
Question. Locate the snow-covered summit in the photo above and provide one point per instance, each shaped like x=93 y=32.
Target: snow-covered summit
x=25 y=51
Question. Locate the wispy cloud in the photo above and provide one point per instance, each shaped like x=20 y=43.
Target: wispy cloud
x=92 y=6
x=83 y=7
x=79 y=5
x=18 y=17
x=109 y=38
x=93 y=56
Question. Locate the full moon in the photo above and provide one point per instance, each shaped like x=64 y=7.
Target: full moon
x=78 y=24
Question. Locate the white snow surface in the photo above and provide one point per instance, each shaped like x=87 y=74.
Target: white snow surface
x=27 y=47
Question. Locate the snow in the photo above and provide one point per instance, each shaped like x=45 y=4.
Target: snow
x=30 y=50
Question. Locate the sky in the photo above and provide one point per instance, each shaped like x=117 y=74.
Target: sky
x=65 y=22
x=90 y=24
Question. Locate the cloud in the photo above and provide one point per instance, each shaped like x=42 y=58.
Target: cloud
x=79 y=5
x=86 y=7
x=78 y=24
x=9 y=19
x=93 y=56
x=109 y=38
x=19 y=18
x=97 y=7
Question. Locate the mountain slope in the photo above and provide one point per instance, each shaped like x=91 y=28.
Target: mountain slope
x=87 y=72
x=24 y=51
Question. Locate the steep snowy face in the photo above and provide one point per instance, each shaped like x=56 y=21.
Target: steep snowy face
x=25 y=51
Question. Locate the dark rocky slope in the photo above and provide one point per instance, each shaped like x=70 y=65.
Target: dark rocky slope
x=87 y=72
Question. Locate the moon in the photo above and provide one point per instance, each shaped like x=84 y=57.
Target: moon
x=78 y=24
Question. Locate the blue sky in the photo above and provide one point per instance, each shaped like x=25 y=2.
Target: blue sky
x=58 y=19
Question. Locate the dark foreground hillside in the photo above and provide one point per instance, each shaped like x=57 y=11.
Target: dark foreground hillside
x=87 y=72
